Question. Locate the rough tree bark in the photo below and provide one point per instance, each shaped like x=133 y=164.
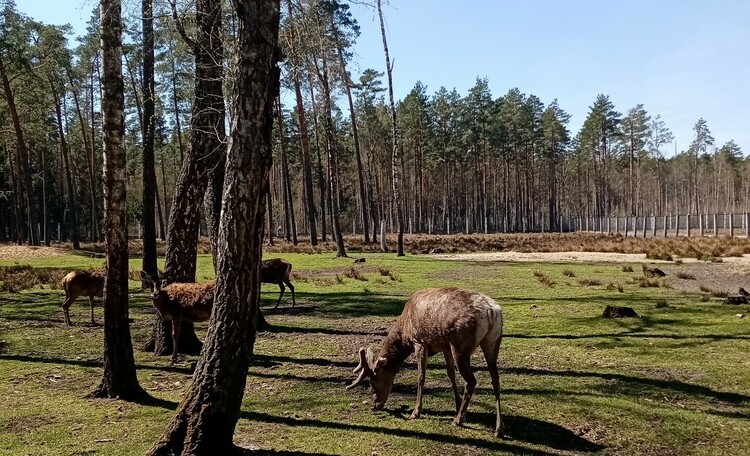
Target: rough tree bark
x=205 y=150
x=395 y=161
x=285 y=180
x=149 y=171
x=119 y=380
x=207 y=415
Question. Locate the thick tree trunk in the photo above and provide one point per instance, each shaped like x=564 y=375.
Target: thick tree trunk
x=207 y=415
x=119 y=379
x=149 y=171
x=22 y=156
x=395 y=160
x=206 y=149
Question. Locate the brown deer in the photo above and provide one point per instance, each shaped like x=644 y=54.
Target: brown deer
x=178 y=302
x=277 y=271
x=453 y=321
x=82 y=283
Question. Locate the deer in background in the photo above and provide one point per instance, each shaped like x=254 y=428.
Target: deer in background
x=82 y=283
x=449 y=320
x=277 y=271
x=178 y=302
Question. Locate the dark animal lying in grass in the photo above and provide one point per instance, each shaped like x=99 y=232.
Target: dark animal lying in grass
x=82 y=283
x=653 y=272
x=448 y=320
x=619 y=312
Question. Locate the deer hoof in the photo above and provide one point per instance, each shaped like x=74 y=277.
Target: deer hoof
x=415 y=414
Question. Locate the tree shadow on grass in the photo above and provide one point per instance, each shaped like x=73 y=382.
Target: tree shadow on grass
x=540 y=428
x=337 y=332
x=353 y=304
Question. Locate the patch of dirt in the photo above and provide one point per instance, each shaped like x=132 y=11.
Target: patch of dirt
x=729 y=275
x=24 y=251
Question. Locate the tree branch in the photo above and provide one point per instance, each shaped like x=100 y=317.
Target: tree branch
x=180 y=27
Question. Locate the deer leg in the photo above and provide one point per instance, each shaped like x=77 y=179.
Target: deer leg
x=91 y=305
x=281 y=287
x=451 y=368
x=66 y=309
x=463 y=362
x=491 y=350
x=291 y=287
x=176 y=324
x=421 y=355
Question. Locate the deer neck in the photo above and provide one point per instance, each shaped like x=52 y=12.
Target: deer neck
x=395 y=349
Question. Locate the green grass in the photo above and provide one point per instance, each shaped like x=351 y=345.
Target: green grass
x=675 y=381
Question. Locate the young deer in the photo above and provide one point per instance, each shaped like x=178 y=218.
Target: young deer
x=178 y=302
x=277 y=271
x=453 y=321
x=82 y=283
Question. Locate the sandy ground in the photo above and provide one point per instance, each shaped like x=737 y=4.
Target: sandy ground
x=23 y=251
x=727 y=276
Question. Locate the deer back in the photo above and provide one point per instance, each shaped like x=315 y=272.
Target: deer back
x=187 y=301
x=84 y=283
x=436 y=317
x=274 y=270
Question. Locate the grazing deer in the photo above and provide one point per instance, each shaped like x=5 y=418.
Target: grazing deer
x=449 y=320
x=82 y=283
x=178 y=302
x=277 y=271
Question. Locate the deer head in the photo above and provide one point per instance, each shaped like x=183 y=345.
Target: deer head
x=154 y=283
x=381 y=378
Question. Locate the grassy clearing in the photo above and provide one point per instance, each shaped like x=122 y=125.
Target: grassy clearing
x=675 y=381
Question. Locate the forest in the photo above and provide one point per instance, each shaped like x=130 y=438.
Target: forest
x=470 y=163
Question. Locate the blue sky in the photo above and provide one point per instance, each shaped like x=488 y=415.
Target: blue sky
x=683 y=59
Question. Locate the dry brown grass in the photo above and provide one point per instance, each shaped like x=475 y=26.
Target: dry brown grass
x=17 y=278
x=356 y=274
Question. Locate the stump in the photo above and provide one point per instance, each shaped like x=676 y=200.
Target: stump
x=619 y=312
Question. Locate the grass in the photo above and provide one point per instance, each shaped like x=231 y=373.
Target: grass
x=572 y=382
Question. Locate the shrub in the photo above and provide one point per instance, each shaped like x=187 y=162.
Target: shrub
x=719 y=294
x=685 y=275
x=627 y=268
x=568 y=273
x=589 y=282
x=339 y=279
x=705 y=289
x=705 y=298
x=661 y=303
x=384 y=271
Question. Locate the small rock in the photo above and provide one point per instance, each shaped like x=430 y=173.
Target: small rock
x=740 y=315
x=533 y=306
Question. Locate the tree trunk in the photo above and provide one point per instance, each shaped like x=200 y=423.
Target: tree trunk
x=357 y=152
x=206 y=149
x=332 y=152
x=321 y=177
x=119 y=380
x=395 y=160
x=22 y=156
x=285 y=181
x=149 y=171
x=68 y=171
x=304 y=139
x=207 y=415
x=96 y=234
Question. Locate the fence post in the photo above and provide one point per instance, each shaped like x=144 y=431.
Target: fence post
x=645 y=225
x=653 y=220
x=747 y=224
x=627 y=221
x=700 y=225
x=731 y=225
x=665 y=225
x=635 y=227
x=677 y=226
x=687 y=218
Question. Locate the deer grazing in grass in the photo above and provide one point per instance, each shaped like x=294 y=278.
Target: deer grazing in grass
x=178 y=302
x=449 y=320
x=82 y=283
x=277 y=271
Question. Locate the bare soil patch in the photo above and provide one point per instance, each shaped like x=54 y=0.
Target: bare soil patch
x=8 y=251
x=728 y=275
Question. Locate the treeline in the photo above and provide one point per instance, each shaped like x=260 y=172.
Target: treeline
x=470 y=162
